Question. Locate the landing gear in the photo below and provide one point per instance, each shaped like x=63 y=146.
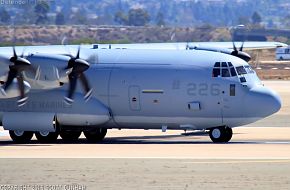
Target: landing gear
x=70 y=135
x=221 y=134
x=96 y=135
x=21 y=136
x=47 y=137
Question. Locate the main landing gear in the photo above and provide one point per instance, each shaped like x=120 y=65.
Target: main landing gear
x=69 y=136
x=21 y=136
x=95 y=135
x=221 y=134
x=47 y=137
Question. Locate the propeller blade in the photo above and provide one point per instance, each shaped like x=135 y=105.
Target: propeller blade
x=11 y=76
x=234 y=46
x=78 y=54
x=78 y=66
x=86 y=86
x=14 y=52
x=23 y=52
x=242 y=47
x=22 y=100
x=72 y=87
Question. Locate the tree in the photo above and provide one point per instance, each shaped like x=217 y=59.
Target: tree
x=287 y=21
x=4 y=16
x=41 y=9
x=80 y=17
x=256 y=18
x=244 y=20
x=121 y=18
x=59 y=19
x=138 y=17
x=160 y=19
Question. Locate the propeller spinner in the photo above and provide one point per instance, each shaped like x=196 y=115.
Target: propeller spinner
x=19 y=65
x=78 y=66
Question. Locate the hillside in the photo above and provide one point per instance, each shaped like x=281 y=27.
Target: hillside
x=36 y=35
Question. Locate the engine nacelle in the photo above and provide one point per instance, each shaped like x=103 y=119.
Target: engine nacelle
x=29 y=121
x=50 y=71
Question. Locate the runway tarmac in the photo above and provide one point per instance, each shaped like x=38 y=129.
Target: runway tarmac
x=258 y=157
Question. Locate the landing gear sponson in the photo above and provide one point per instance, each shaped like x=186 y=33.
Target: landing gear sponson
x=69 y=136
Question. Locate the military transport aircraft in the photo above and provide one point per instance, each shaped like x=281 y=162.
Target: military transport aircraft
x=188 y=88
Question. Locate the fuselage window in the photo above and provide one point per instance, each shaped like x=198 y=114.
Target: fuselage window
x=241 y=70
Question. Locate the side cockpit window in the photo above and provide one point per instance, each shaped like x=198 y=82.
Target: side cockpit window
x=249 y=69
x=241 y=70
x=224 y=69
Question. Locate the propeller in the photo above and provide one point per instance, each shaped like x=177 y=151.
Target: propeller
x=239 y=52
x=19 y=64
x=77 y=66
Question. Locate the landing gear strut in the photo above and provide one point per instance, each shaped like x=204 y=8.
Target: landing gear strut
x=221 y=134
x=21 y=136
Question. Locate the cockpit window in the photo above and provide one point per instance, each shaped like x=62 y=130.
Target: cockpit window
x=224 y=64
x=224 y=69
x=241 y=70
x=216 y=72
x=217 y=64
x=233 y=72
x=249 y=69
x=226 y=73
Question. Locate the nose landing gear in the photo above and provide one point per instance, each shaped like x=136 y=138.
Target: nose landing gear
x=221 y=134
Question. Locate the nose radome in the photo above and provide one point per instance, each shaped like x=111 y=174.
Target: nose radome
x=262 y=102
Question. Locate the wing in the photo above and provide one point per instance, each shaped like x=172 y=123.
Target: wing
x=72 y=49
x=185 y=45
x=247 y=45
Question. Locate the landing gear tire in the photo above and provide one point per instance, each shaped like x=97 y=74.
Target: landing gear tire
x=229 y=134
x=70 y=136
x=95 y=135
x=21 y=136
x=47 y=137
x=221 y=134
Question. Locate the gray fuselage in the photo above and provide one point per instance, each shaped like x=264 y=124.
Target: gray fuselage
x=150 y=89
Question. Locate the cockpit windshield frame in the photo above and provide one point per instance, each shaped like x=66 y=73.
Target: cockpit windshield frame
x=224 y=69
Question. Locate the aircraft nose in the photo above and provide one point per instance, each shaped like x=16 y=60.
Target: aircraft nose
x=262 y=102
